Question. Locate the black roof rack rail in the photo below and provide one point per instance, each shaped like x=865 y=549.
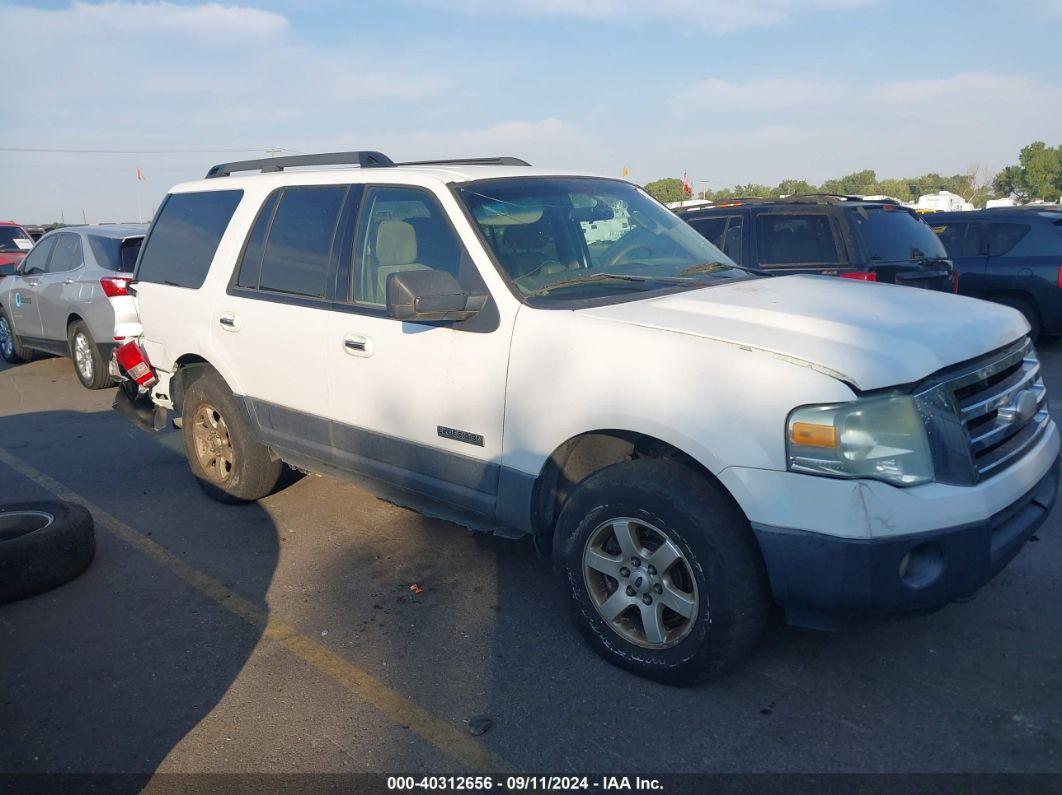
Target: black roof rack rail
x=469 y=161
x=367 y=159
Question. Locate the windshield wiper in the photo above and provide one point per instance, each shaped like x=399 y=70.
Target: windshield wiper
x=596 y=277
x=711 y=267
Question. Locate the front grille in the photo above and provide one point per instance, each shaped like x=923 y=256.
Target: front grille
x=984 y=417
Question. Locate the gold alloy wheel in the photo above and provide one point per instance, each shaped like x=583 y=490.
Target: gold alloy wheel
x=640 y=583
x=213 y=446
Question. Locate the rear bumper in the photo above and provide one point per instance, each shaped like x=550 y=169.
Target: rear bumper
x=827 y=581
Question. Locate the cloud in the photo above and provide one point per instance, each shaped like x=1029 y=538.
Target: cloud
x=814 y=127
x=719 y=16
x=214 y=23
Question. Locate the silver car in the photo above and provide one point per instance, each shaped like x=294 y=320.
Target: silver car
x=70 y=297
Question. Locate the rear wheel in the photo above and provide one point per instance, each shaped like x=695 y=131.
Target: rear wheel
x=664 y=575
x=11 y=347
x=228 y=462
x=89 y=366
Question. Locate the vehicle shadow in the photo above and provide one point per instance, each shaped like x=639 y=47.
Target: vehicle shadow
x=107 y=673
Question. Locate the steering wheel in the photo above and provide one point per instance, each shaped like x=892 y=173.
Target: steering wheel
x=624 y=255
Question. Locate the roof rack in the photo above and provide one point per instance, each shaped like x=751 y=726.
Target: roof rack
x=469 y=161
x=366 y=159
x=266 y=165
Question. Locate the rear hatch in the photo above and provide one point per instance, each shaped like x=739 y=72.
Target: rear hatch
x=900 y=247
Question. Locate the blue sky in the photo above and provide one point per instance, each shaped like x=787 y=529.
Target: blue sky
x=730 y=91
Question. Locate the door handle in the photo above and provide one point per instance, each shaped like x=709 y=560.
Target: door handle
x=357 y=345
x=68 y=281
x=229 y=322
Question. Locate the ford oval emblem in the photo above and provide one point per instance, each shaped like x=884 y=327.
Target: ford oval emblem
x=1021 y=409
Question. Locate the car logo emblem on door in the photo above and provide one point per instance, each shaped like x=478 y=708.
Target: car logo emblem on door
x=18 y=299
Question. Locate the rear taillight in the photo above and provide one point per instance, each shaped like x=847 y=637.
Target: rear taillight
x=1059 y=282
x=134 y=363
x=861 y=276
x=114 y=286
x=955 y=279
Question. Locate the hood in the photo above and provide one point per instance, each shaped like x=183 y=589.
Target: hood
x=868 y=335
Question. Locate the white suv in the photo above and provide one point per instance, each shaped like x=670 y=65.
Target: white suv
x=521 y=350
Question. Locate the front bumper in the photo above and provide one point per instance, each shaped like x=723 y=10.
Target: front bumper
x=826 y=581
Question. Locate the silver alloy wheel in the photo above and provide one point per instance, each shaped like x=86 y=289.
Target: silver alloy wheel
x=15 y=524
x=640 y=583
x=213 y=446
x=7 y=344
x=83 y=355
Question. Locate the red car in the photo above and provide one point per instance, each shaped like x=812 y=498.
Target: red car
x=15 y=243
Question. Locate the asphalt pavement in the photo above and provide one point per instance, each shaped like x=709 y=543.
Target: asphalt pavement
x=325 y=631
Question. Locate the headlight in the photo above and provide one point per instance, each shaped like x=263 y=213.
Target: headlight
x=882 y=438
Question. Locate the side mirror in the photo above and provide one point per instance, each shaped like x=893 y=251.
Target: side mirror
x=9 y=269
x=428 y=295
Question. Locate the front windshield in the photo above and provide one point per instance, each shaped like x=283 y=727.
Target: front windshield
x=13 y=239
x=577 y=238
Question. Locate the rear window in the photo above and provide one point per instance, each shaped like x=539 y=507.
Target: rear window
x=114 y=254
x=894 y=235
x=14 y=239
x=185 y=237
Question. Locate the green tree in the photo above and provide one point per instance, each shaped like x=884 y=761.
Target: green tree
x=795 y=187
x=666 y=190
x=860 y=182
x=1038 y=174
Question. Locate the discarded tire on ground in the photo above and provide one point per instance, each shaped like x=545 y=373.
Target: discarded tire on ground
x=42 y=545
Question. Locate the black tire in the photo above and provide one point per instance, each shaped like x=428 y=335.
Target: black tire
x=99 y=376
x=1027 y=309
x=720 y=550
x=42 y=545
x=13 y=351
x=254 y=471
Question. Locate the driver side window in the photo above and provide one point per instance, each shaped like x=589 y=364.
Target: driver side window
x=37 y=259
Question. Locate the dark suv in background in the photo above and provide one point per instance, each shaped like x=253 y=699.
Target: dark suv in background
x=1010 y=255
x=875 y=241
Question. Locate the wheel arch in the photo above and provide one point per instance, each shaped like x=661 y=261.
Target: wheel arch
x=71 y=319
x=584 y=454
x=188 y=368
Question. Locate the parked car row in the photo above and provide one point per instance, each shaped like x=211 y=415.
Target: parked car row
x=527 y=351
x=831 y=235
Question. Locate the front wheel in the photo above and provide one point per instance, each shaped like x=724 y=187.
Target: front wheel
x=663 y=573
x=228 y=462
x=11 y=347
x=88 y=363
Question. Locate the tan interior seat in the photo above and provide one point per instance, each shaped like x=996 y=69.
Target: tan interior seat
x=396 y=251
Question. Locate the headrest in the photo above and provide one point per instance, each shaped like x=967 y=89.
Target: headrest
x=396 y=243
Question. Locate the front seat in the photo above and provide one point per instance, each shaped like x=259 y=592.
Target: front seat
x=396 y=251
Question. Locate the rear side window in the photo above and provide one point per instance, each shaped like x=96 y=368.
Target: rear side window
x=1003 y=237
x=251 y=262
x=796 y=239
x=185 y=237
x=113 y=254
x=67 y=255
x=298 y=245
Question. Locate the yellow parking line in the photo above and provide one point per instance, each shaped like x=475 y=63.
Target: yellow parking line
x=444 y=735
